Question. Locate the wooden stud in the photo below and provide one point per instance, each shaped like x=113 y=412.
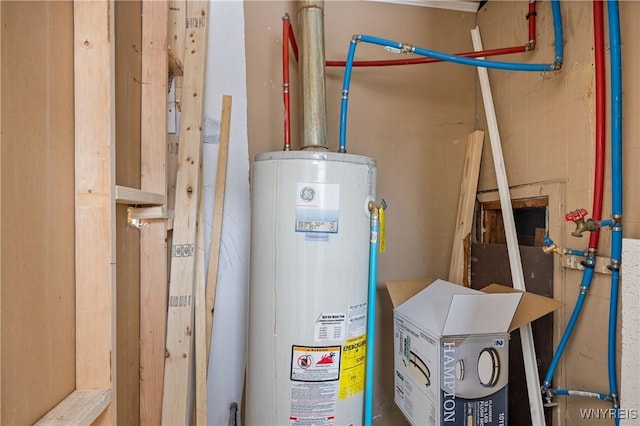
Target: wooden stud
x=178 y=383
x=466 y=204
x=94 y=58
x=0 y=213
x=153 y=238
x=218 y=206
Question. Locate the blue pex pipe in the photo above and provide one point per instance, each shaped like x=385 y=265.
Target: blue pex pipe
x=371 y=320
x=616 y=108
x=511 y=66
x=557 y=31
x=616 y=188
x=584 y=286
x=588 y=394
x=346 y=82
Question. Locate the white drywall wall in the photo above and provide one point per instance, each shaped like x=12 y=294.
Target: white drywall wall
x=630 y=368
x=226 y=76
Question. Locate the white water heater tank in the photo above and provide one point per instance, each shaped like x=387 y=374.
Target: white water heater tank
x=310 y=236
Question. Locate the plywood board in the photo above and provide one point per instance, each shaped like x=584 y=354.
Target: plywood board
x=127 y=318
x=37 y=193
x=129 y=82
x=489 y=266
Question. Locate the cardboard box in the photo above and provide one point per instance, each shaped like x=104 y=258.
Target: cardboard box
x=451 y=349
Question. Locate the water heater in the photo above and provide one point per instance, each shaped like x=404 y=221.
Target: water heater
x=310 y=235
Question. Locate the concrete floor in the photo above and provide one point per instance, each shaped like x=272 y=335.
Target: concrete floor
x=387 y=413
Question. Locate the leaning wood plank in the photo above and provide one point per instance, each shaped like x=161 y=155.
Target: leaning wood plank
x=466 y=204
x=80 y=408
x=0 y=211
x=201 y=323
x=176 y=43
x=218 y=206
x=133 y=196
x=94 y=59
x=517 y=276
x=153 y=237
x=178 y=381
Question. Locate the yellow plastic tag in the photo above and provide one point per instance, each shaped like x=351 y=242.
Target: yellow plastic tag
x=382 y=230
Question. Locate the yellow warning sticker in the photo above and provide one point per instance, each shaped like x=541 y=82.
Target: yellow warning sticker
x=383 y=231
x=354 y=353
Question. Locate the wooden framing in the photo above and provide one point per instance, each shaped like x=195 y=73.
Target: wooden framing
x=94 y=400
x=153 y=238
x=94 y=59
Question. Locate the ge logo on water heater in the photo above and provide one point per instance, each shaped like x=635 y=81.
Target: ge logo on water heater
x=307 y=194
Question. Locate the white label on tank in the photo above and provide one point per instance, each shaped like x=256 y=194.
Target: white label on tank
x=357 y=320
x=317 y=207
x=313 y=404
x=315 y=364
x=330 y=327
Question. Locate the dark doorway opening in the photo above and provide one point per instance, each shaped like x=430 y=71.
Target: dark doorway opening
x=490 y=264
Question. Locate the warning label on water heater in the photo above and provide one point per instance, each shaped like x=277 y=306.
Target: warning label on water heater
x=317 y=207
x=354 y=354
x=315 y=364
x=313 y=404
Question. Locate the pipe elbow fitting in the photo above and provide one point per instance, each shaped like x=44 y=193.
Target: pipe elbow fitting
x=553 y=249
x=530 y=45
x=557 y=64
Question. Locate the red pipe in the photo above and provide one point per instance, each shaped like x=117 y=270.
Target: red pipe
x=414 y=61
x=531 y=17
x=286 y=33
x=292 y=39
x=598 y=181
